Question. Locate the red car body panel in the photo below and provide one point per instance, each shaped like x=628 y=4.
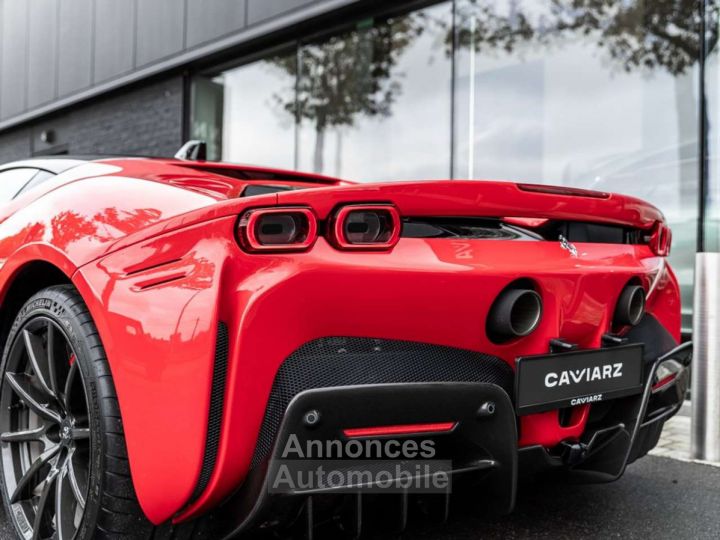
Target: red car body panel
x=150 y=245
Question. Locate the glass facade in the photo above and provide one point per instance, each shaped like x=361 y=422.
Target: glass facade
x=602 y=95
x=711 y=121
x=366 y=103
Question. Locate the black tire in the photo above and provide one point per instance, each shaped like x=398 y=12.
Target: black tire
x=111 y=509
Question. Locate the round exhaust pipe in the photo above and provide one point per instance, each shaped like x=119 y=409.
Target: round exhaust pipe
x=630 y=307
x=515 y=313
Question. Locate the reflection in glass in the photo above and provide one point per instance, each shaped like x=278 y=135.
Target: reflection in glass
x=374 y=103
x=712 y=99
x=207 y=114
x=13 y=180
x=238 y=113
x=590 y=94
x=368 y=104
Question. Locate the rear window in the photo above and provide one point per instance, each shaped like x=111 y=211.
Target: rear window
x=12 y=181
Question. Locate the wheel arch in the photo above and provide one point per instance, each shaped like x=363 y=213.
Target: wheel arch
x=26 y=280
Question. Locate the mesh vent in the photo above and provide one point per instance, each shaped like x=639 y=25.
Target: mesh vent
x=341 y=361
x=217 y=395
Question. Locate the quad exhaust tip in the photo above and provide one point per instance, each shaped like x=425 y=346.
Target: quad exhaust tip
x=514 y=314
x=630 y=307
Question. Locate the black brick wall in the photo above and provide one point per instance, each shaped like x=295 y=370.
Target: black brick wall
x=15 y=144
x=142 y=120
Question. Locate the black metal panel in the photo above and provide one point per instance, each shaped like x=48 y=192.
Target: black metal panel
x=42 y=36
x=114 y=39
x=653 y=335
x=13 y=57
x=75 y=46
x=210 y=20
x=160 y=29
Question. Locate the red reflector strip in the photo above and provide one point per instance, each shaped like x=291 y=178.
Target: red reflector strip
x=408 y=429
x=664 y=381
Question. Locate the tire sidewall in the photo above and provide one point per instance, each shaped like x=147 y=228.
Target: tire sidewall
x=56 y=304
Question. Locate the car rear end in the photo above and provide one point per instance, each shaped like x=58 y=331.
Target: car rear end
x=514 y=326
x=428 y=305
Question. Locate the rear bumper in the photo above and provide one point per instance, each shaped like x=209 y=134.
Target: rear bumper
x=627 y=428
x=481 y=447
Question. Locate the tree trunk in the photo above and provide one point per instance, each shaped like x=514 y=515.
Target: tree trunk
x=338 y=153
x=319 y=156
x=687 y=140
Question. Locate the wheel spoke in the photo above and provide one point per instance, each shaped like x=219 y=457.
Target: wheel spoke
x=42 y=506
x=68 y=384
x=38 y=360
x=25 y=390
x=52 y=367
x=29 y=476
x=23 y=436
x=75 y=481
x=64 y=507
x=45 y=432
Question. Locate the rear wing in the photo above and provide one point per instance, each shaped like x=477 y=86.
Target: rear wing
x=491 y=199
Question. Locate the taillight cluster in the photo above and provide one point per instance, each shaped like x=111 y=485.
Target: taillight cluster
x=352 y=227
x=660 y=239
x=365 y=227
x=278 y=229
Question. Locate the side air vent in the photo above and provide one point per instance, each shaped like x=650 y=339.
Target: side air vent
x=217 y=399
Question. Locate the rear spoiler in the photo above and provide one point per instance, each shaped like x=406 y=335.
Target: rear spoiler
x=462 y=198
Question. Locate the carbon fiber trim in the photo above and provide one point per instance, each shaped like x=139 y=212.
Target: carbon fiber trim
x=653 y=335
x=217 y=400
x=348 y=361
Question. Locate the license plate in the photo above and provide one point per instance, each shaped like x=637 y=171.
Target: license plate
x=554 y=381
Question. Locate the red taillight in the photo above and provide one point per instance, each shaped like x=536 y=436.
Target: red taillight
x=277 y=229
x=367 y=226
x=661 y=239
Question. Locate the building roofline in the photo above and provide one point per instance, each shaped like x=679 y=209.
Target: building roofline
x=298 y=15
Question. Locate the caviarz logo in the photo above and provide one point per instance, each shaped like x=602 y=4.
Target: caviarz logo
x=586 y=374
x=586 y=399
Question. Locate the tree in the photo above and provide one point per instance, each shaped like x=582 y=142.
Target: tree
x=348 y=76
x=636 y=36
x=662 y=34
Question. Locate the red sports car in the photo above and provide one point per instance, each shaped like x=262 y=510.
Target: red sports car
x=170 y=325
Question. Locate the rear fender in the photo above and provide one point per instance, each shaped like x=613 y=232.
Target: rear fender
x=155 y=306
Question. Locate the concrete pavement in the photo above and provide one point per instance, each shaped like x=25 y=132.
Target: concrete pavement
x=658 y=498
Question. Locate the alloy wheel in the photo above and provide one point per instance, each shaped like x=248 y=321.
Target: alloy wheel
x=44 y=433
